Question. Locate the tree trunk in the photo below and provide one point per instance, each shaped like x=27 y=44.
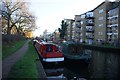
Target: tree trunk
x=9 y=29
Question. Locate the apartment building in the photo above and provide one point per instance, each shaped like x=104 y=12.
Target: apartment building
x=113 y=22
x=83 y=28
x=69 y=31
x=100 y=23
x=73 y=31
x=89 y=27
x=77 y=28
x=107 y=22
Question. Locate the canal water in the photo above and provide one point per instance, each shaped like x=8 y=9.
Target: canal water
x=102 y=65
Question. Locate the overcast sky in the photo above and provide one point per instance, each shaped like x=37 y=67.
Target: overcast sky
x=50 y=13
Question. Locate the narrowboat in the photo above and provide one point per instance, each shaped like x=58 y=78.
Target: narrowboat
x=49 y=52
x=74 y=52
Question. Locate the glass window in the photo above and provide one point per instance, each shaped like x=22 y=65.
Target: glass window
x=100 y=33
x=49 y=48
x=100 y=11
x=100 y=25
x=81 y=22
x=82 y=16
x=100 y=18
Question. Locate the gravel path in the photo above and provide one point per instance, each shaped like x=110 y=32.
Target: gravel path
x=8 y=62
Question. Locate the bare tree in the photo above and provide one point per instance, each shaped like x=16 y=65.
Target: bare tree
x=17 y=14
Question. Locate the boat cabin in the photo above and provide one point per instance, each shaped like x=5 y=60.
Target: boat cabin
x=49 y=52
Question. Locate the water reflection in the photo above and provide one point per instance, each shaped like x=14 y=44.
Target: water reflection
x=104 y=65
x=78 y=70
x=67 y=71
x=54 y=71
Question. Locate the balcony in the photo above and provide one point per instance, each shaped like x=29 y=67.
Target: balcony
x=89 y=37
x=89 y=30
x=89 y=22
x=78 y=32
x=89 y=15
x=113 y=25
x=115 y=33
x=109 y=26
x=111 y=17
x=78 y=25
x=109 y=33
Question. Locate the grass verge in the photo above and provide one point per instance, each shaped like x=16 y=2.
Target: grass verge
x=10 y=48
x=26 y=67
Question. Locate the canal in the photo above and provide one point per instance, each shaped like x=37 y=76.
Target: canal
x=102 y=65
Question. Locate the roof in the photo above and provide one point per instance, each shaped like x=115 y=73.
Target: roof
x=48 y=43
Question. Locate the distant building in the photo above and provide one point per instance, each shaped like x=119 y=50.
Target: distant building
x=77 y=27
x=69 y=31
x=56 y=36
x=47 y=35
x=82 y=28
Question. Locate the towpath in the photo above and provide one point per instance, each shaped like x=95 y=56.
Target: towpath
x=8 y=62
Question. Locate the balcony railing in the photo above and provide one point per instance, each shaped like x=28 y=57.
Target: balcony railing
x=89 y=37
x=109 y=33
x=89 y=15
x=78 y=32
x=111 y=17
x=112 y=25
x=78 y=25
x=89 y=24
x=89 y=30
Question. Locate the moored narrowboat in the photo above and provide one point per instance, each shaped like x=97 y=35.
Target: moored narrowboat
x=74 y=51
x=49 y=52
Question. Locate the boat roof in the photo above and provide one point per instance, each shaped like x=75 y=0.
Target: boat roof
x=48 y=43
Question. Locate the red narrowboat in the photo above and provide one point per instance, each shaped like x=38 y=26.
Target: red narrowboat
x=49 y=52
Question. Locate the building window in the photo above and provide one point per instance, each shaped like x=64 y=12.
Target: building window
x=82 y=16
x=81 y=34
x=100 y=11
x=81 y=28
x=100 y=33
x=99 y=40
x=100 y=18
x=81 y=22
x=100 y=25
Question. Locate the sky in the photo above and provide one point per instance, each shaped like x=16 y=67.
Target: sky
x=50 y=13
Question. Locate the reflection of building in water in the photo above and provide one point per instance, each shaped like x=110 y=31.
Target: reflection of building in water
x=97 y=65
x=112 y=66
x=104 y=65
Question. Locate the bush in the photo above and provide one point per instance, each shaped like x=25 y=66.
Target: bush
x=11 y=38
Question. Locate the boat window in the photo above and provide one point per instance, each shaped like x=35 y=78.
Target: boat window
x=49 y=48
x=57 y=48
